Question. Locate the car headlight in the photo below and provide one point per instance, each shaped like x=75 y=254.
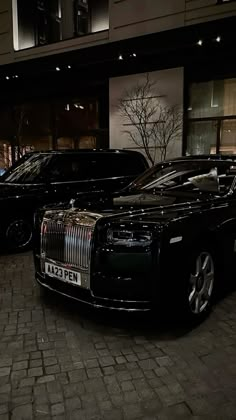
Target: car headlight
x=129 y=237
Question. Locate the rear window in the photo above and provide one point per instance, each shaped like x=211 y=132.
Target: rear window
x=81 y=167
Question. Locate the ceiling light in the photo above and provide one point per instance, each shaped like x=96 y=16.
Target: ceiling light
x=199 y=42
x=16 y=76
x=58 y=69
x=69 y=67
x=218 y=39
x=67 y=108
x=7 y=77
x=81 y=106
x=134 y=55
x=120 y=57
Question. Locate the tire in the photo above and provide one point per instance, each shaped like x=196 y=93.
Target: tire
x=199 y=286
x=19 y=233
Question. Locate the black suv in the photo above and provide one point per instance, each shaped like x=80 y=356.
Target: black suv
x=40 y=178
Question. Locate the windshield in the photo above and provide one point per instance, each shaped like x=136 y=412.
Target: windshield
x=187 y=176
x=28 y=170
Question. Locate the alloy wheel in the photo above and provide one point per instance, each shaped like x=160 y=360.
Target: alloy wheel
x=201 y=283
x=19 y=234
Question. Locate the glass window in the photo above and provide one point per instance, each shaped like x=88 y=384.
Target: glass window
x=28 y=170
x=201 y=137
x=119 y=165
x=189 y=177
x=215 y=98
x=228 y=137
x=81 y=17
x=40 y=22
x=94 y=166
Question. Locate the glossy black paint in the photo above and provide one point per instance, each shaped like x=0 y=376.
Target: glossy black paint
x=138 y=277
x=20 y=198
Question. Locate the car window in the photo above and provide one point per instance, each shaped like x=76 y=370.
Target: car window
x=118 y=164
x=188 y=176
x=30 y=170
x=77 y=167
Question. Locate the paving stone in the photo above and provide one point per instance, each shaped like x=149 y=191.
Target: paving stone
x=23 y=412
x=5 y=362
x=20 y=365
x=35 y=355
x=35 y=372
x=73 y=403
x=56 y=397
x=45 y=379
x=35 y=363
x=77 y=375
x=3 y=409
x=57 y=409
x=98 y=371
x=4 y=371
x=132 y=411
x=52 y=369
x=5 y=388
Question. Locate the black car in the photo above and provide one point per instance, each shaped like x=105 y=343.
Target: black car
x=169 y=237
x=43 y=177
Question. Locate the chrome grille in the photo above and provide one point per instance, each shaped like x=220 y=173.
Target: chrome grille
x=66 y=243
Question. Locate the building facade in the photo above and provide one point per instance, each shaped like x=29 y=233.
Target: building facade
x=65 y=65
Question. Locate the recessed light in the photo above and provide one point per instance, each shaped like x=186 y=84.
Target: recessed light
x=7 y=77
x=199 y=42
x=120 y=57
x=58 y=69
x=69 y=67
x=218 y=39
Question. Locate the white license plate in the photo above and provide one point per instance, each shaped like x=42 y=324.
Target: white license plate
x=62 y=273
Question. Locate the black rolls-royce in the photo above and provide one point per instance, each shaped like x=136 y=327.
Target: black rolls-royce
x=43 y=177
x=169 y=237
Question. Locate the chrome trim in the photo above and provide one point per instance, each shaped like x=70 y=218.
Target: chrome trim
x=67 y=238
x=118 y=300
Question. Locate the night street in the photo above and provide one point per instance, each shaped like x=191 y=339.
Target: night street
x=60 y=361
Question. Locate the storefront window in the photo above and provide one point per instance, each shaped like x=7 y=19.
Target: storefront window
x=211 y=123
x=202 y=137
x=228 y=137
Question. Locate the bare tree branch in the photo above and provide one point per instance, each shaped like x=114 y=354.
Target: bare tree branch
x=153 y=126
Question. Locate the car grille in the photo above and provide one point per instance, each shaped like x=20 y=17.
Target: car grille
x=68 y=240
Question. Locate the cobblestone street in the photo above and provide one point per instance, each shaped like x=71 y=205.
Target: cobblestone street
x=62 y=361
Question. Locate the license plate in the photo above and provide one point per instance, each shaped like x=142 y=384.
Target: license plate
x=62 y=273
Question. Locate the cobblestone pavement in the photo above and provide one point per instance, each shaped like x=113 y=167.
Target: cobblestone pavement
x=60 y=361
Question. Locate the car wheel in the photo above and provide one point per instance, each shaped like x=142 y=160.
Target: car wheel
x=200 y=285
x=19 y=234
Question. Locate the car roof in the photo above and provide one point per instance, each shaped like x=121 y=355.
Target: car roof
x=207 y=157
x=87 y=151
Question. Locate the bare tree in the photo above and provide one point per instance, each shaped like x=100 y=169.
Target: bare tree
x=150 y=124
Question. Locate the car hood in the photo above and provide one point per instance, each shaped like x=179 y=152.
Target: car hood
x=142 y=206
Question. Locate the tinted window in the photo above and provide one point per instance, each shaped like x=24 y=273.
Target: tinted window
x=94 y=166
x=118 y=164
x=188 y=176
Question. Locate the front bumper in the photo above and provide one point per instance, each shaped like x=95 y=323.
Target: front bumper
x=86 y=296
